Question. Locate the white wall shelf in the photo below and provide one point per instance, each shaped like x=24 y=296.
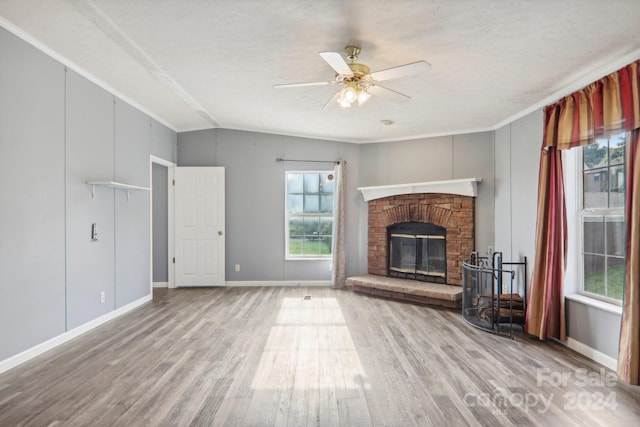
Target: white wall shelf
x=116 y=185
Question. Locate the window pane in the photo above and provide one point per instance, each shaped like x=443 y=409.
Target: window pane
x=311 y=245
x=294 y=203
x=595 y=187
x=326 y=184
x=325 y=245
x=296 y=226
x=311 y=203
x=326 y=226
x=311 y=183
x=311 y=225
x=596 y=155
x=326 y=203
x=296 y=245
x=616 y=149
x=593 y=235
x=615 y=277
x=615 y=235
x=616 y=186
x=603 y=236
x=294 y=183
x=594 y=274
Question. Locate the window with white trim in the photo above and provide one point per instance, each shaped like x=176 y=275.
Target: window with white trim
x=309 y=214
x=602 y=225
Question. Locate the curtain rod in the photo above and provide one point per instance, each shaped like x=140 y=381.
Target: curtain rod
x=280 y=159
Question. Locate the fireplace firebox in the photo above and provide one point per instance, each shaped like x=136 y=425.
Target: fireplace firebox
x=417 y=250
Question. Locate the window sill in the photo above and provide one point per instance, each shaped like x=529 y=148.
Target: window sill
x=596 y=303
x=307 y=258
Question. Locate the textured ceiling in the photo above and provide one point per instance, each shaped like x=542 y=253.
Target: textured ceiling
x=196 y=64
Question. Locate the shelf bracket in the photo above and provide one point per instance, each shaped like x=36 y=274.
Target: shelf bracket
x=93 y=191
x=128 y=195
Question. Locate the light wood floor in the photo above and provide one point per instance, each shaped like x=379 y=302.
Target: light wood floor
x=267 y=356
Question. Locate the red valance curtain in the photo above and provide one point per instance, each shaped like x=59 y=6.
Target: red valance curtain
x=609 y=104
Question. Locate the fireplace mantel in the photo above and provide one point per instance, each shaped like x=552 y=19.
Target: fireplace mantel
x=463 y=187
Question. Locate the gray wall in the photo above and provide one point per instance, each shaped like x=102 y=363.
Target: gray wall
x=57 y=131
x=502 y=198
x=132 y=212
x=517 y=158
x=164 y=141
x=32 y=188
x=90 y=157
x=160 y=196
x=517 y=161
x=593 y=327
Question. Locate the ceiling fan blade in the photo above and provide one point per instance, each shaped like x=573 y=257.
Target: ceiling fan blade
x=389 y=94
x=401 y=71
x=333 y=101
x=303 y=84
x=335 y=61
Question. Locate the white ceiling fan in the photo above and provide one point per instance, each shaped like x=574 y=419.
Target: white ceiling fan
x=358 y=83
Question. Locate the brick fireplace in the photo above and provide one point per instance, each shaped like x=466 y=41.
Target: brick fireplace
x=455 y=213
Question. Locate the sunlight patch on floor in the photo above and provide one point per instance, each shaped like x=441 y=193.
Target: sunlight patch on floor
x=310 y=347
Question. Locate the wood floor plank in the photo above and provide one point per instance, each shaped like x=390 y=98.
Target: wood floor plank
x=267 y=356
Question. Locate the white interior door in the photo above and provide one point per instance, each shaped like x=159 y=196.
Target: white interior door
x=199 y=226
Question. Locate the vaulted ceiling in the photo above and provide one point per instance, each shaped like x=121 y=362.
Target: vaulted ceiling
x=198 y=64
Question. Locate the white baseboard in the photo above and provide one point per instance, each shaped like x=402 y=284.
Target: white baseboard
x=160 y=284
x=593 y=354
x=37 y=350
x=290 y=283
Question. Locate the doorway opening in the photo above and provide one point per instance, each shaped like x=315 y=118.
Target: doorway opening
x=162 y=175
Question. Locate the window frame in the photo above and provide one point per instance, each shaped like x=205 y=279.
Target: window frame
x=287 y=216
x=604 y=213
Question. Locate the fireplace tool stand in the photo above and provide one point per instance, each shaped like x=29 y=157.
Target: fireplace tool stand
x=494 y=293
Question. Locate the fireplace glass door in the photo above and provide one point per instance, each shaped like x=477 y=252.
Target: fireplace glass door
x=432 y=260
x=417 y=251
x=403 y=253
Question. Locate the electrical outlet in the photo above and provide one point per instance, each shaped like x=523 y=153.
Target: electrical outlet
x=103 y=297
x=237 y=267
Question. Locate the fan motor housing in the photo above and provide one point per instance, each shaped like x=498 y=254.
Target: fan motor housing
x=359 y=71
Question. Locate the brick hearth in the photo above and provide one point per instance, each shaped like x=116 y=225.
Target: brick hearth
x=453 y=212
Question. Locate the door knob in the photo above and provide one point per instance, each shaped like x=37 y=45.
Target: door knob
x=220 y=233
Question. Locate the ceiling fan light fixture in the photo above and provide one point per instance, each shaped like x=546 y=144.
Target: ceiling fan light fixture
x=342 y=100
x=350 y=94
x=344 y=104
x=347 y=96
x=356 y=80
x=363 y=96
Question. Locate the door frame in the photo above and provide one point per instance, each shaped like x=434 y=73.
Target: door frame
x=170 y=215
